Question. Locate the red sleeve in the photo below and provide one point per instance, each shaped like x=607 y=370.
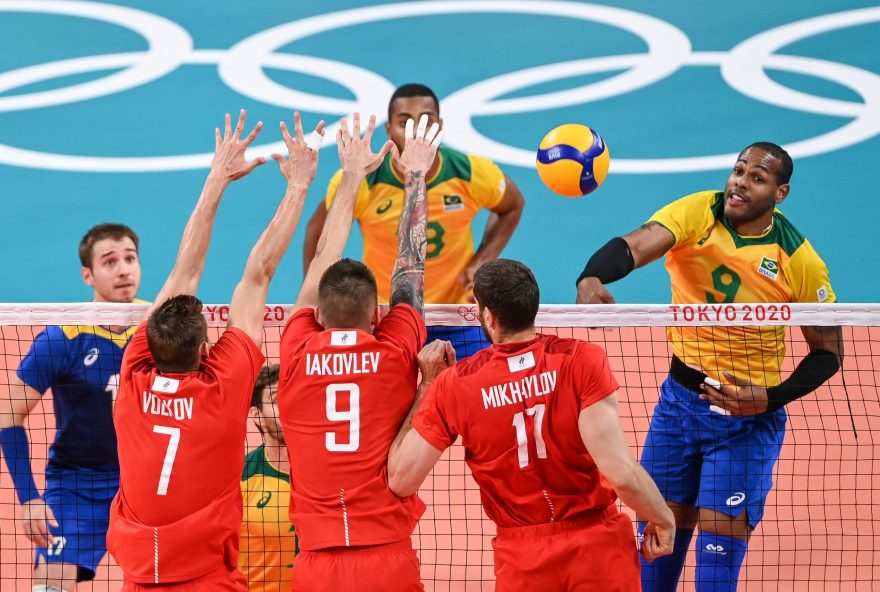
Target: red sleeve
x=301 y=326
x=593 y=378
x=137 y=352
x=404 y=326
x=235 y=360
x=432 y=420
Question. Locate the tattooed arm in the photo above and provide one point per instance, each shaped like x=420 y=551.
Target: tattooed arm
x=408 y=277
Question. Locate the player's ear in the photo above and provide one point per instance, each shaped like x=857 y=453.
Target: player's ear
x=374 y=320
x=318 y=316
x=87 y=277
x=204 y=349
x=782 y=193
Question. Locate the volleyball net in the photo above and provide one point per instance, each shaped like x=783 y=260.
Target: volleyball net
x=819 y=528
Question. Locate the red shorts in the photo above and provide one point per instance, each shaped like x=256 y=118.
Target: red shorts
x=224 y=579
x=393 y=568
x=596 y=553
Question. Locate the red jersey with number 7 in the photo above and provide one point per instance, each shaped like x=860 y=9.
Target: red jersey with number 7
x=177 y=515
x=342 y=396
x=516 y=408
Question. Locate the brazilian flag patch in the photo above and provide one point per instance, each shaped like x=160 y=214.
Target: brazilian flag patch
x=769 y=268
x=452 y=203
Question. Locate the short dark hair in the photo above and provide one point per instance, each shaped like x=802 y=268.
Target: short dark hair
x=347 y=294
x=412 y=89
x=508 y=288
x=100 y=232
x=175 y=332
x=786 y=166
x=268 y=376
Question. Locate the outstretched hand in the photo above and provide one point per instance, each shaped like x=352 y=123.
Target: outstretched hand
x=229 y=161
x=301 y=163
x=591 y=291
x=355 y=153
x=738 y=398
x=420 y=146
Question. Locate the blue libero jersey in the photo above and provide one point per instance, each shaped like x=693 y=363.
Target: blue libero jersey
x=81 y=366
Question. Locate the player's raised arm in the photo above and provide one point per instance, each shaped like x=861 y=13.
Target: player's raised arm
x=408 y=277
x=229 y=164
x=299 y=168
x=618 y=257
x=599 y=425
x=357 y=160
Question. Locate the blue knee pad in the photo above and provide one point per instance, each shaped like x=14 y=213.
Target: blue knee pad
x=719 y=559
x=662 y=574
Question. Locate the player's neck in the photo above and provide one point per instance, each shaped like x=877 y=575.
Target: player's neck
x=757 y=227
x=96 y=297
x=524 y=335
x=276 y=454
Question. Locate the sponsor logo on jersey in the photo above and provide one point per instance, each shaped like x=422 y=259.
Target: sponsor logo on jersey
x=264 y=501
x=769 y=268
x=384 y=206
x=822 y=294
x=736 y=499
x=521 y=362
x=343 y=338
x=452 y=203
x=91 y=357
x=717 y=549
x=161 y=384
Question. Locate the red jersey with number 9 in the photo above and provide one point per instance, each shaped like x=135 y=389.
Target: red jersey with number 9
x=342 y=396
x=516 y=408
x=177 y=515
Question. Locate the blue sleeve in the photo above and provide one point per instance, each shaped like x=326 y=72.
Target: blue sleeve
x=45 y=361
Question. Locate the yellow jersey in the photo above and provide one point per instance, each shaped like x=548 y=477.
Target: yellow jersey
x=268 y=539
x=711 y=263
x=462 y=185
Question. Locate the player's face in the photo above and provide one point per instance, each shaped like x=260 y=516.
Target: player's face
x=752 y=191
x=269 y=413
x=410 y=108
x=115 y=274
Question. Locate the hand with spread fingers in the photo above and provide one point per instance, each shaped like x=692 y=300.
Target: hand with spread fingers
x=229 y=161
x=420 y=146
x=739 y=398
x=301 y=164
x=355 y=153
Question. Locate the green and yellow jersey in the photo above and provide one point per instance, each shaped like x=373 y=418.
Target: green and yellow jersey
x=711 y=263
x=462 y=185
x=268 y=539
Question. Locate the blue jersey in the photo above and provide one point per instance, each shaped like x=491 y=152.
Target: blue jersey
x=81 y=366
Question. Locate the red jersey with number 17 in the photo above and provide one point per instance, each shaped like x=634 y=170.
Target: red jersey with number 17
x=342 y=396
x=177 y=514
x=516 y=407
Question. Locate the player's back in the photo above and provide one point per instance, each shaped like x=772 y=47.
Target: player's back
x=342 y=397
x=181 y=456
x=516 y=407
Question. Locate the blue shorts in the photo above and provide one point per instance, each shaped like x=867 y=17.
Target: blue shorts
x=466 y=340
x=705 y=459
x=80 y=501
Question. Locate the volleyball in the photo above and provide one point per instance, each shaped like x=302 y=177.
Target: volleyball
x=572 y=160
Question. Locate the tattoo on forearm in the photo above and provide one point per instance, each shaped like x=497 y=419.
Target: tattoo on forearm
x=408 y=277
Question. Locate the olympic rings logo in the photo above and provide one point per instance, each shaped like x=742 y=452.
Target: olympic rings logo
x=241 y=68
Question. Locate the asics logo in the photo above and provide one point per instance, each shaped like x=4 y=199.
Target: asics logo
x=736 y=499
x=717 y=549
x=91 y=357
x=243 y=68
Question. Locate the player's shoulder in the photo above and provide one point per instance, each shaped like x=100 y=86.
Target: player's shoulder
x=256 y=464
x=710 y=201
x=573 y=349
x=787 y=236
x=472 y=364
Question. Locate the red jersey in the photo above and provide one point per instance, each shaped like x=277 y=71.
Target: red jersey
x=516 y=407
x=181 y=438
x=342 y=396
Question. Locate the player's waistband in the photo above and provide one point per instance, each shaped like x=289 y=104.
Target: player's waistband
x=402 y=545
x=688 y=377
x=551 y=528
